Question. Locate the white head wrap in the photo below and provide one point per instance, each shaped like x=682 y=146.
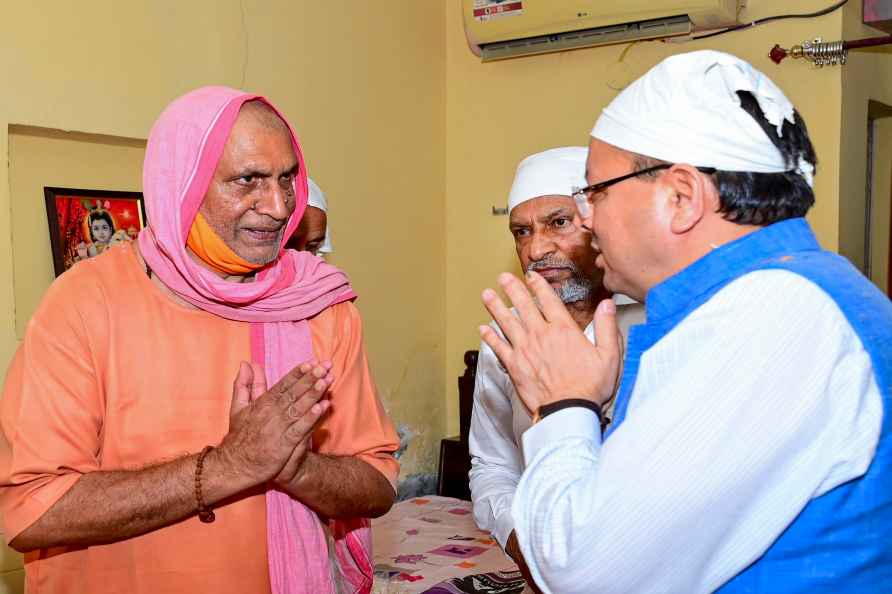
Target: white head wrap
x=555 y=172
x=686 y=110
x=317 y=199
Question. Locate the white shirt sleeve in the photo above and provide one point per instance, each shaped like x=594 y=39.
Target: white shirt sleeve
x=496 y=463
x=761 y=400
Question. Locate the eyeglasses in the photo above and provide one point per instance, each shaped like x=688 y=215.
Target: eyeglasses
x=584 y=196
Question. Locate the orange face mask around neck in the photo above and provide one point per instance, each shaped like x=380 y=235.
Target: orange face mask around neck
x=207 y=245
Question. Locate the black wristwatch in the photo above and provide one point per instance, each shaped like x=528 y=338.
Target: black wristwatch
x=553 y=407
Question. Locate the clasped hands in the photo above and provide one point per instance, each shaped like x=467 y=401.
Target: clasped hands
x=546 y=355
x=270 y=429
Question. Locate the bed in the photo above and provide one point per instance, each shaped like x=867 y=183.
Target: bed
x=431 y=545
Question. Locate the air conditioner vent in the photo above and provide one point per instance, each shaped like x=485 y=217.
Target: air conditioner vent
x=657 y=28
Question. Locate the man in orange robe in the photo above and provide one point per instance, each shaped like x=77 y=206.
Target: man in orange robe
x=130 y=460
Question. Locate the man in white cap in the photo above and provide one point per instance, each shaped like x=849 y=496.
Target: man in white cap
x=749 y=451
x=548 y=239
x=313 y=234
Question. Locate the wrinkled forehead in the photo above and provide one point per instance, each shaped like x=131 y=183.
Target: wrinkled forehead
x=260 y=141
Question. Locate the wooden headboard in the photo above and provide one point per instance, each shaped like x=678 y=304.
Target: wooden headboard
x=466 y=394
x=455 y=460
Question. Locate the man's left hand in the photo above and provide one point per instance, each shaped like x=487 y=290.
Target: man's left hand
x=546 y=355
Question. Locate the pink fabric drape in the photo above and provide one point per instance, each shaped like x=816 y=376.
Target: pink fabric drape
x=183 y=150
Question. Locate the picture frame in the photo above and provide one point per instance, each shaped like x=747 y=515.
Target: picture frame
x=83 y=223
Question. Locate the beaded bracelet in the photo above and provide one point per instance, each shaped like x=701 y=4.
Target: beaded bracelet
x=205 y=514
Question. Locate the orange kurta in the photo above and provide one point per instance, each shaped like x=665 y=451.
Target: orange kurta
x=112 y=375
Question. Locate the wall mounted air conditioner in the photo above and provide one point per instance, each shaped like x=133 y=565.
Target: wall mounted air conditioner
x=499 y=29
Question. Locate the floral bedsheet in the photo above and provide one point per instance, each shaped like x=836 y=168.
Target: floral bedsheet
x=431 y=545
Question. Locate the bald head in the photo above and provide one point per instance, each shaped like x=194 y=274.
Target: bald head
x=261 y=113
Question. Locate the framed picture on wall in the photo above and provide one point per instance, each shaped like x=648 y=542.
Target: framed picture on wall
x=84 y=223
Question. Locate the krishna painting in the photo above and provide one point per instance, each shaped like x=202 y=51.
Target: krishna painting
x=84 y=223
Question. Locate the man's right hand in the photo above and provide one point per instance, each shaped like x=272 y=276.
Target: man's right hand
x=546 y=355
x=267 y=426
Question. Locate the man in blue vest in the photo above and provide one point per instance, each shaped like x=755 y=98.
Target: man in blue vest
x=749 y=451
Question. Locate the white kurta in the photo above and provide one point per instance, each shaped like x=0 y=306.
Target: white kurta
x=703 y=474
x=498 y=421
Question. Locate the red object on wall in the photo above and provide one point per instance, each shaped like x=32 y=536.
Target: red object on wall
x=878 y=13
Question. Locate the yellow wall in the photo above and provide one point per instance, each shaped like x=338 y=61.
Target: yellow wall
x=362 y=82
x=866 y=76
x=499 y=112
x=38 y=158
x=881 y=209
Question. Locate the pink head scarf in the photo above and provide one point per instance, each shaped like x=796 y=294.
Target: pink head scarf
x=183 y=150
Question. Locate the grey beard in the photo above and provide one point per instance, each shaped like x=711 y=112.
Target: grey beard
x=575 y=289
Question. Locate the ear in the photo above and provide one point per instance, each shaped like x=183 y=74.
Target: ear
x=690 y=197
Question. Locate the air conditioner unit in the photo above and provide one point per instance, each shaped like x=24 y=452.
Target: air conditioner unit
x=499 y=29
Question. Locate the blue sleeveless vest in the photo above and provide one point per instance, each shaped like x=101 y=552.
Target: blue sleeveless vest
x=841 y=542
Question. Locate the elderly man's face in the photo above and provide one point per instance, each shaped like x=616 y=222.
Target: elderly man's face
x=550 y=240
x=251 y=194
x=627 y=223
x=310 y=234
